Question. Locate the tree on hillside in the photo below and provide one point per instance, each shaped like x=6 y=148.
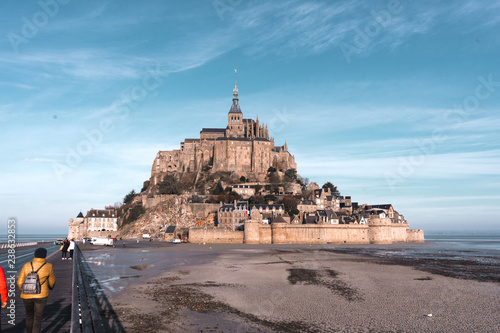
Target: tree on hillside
x=135 y=213
x=271 y=169
x=332 y=188
x=218 y=189
x=291 y=175
x=290 y=203
x=269 y=197
x=129 y=197
x=169 y=185
x=258 y=187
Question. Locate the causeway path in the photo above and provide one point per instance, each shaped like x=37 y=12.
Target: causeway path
x=57 y=312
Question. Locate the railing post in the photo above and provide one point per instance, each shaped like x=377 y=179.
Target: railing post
x=75 y=303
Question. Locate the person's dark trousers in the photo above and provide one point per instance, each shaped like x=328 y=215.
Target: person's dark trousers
x=63 y=255
x=71 y=254
x=34 y=311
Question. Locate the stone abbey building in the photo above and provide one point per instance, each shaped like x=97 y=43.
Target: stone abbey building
x=244 y=146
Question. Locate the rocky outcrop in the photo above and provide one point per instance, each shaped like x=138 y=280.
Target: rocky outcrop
x=172 y=210
x=167 y=210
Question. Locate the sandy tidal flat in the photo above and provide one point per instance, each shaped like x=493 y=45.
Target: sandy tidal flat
x=302 y=289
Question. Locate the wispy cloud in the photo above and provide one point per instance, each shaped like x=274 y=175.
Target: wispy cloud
x=435 y=166
x=40 y=160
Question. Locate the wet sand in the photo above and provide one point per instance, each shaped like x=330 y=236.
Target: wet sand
x=269 y=288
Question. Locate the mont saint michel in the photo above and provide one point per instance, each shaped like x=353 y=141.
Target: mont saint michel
x=233 y=184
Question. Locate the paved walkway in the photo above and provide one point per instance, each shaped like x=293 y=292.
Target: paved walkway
x=57 y=313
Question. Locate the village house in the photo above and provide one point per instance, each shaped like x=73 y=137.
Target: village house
x=102 y=220
x=313 y=186
x=245 y=191
x=232 y=215
x=97 y=223
x=170 y=232
x=387 y=208
x=269 y=211
x=327 y=216
x=296 y=220
x=306 y=206
x=322 y=198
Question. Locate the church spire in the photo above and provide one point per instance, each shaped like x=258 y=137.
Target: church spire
x=235 y=90
x=235 y=108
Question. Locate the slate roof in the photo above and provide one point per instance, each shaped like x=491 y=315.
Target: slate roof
x=234 y=139
x=331 y=214
x=279 y=219
x=384 y=206
x=310 y=219
x=321 y=213
x=264 y=206
x=101 y=213
x=212 y=130
x=191 y=140
x=170 y=229
x=235 y=108
x=241 y=205
x=79 y=215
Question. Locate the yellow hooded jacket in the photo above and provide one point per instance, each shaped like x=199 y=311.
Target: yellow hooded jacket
x=45 y=275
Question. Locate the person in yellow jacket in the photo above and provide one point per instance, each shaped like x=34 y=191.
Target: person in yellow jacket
x=35 y=303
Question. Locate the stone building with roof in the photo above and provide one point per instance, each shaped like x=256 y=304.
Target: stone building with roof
x=97 y=223
x=244 y=146
x=232 y=215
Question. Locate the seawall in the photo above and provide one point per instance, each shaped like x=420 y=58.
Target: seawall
x=378 y=232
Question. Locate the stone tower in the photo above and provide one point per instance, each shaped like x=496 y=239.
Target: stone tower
x=235 y=116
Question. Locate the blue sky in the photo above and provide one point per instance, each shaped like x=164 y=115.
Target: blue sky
x=393 y=101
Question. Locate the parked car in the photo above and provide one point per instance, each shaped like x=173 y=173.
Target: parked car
x=146 y=236
x=101 y=241
x=60 y=241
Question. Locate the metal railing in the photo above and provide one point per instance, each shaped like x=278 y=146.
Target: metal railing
x=87 y=307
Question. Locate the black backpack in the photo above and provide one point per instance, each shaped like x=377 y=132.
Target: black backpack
x=32 y=284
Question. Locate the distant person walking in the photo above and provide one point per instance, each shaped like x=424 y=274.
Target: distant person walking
x=3 y=289
x=34 y=303
x=71 y=248
x=64 y=249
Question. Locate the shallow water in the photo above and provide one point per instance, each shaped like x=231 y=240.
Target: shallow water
x=461 y=255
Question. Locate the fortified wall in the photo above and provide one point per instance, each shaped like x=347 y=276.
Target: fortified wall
x=378 y=231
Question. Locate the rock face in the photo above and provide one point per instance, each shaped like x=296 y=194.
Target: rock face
x=173 y=210
x=169 y=210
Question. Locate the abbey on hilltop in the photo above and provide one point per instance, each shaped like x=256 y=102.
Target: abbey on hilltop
x=244 y=145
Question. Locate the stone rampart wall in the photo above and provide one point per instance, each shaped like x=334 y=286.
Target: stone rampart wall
x=265 y=234
x=416 y=235
x=283 y=233
x=151 y=202
x=398 y=231
x=214 y=235
x=325 y=233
